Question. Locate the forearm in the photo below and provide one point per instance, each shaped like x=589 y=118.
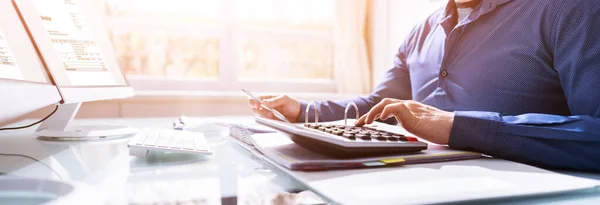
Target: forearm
x=395 y=84
x=543 y=140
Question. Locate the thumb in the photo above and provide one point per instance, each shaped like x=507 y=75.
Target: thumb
x=277 y=101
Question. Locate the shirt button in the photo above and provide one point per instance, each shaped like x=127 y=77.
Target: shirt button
x=444 y=73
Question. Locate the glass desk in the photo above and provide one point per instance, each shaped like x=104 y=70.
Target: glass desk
x=106 y=174
x=230 y=176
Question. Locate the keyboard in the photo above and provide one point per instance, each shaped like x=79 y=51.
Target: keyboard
x=342 y=141
x=167 y=140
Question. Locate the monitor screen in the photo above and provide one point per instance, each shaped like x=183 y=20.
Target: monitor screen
x=73 y=42
x=8 y=65
x=74 y=45
x=18 y=58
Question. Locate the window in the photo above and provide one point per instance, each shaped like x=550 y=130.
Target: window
x=264 y=45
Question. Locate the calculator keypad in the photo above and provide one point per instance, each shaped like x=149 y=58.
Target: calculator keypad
x=363 y=133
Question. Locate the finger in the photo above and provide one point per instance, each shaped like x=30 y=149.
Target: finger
x=277 y=101
x=256 y=111
x=265 y=97
x=375 y=112
x=253 y=103
x=372 y=117
x=361 y=121
x=263 y=113
x=394 y=109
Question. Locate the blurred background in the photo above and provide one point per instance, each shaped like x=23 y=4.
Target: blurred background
x=191 y=57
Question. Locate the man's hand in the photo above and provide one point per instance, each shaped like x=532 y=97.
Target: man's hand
x=425 y=121
x=289 y=107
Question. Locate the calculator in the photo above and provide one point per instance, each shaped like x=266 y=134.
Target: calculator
x=346 y=141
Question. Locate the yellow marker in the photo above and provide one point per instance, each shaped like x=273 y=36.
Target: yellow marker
x=392 y=160
x=286 y=158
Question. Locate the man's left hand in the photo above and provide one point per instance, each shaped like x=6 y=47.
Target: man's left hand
x=425 y=121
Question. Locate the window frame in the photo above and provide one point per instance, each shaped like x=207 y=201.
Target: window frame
x=231 y=35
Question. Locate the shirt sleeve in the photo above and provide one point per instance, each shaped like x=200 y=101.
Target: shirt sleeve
x=395 y=84
x=563 y=142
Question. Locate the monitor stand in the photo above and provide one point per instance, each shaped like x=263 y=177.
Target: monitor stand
x=57 y=127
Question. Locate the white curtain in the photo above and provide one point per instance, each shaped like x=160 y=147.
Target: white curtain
x=352 y=70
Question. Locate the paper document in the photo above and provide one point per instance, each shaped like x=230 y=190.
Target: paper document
x=449 y=183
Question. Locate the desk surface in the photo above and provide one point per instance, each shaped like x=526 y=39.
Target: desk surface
x=230 y=176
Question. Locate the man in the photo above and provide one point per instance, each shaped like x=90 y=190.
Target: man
x=477 y=75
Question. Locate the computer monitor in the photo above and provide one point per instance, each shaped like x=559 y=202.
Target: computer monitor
x=71 y=39
x=24 y=84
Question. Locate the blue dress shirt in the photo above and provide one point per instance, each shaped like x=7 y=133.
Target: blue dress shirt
x=522 y=77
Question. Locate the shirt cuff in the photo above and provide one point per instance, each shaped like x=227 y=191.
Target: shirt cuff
x=474 y=131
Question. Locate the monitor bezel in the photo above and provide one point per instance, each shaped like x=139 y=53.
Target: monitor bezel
x=73 y=94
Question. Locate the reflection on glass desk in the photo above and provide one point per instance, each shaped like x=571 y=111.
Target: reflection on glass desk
x=230 y=176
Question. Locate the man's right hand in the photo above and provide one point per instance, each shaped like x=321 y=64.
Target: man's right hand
x=287 y=106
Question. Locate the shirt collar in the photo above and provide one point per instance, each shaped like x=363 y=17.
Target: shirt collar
x=449 y=19
x=487 y=6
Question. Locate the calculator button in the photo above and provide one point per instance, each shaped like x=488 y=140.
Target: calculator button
x=379 y=137
x=412 y=139
x=364 y=132
x=337 y=132
x=351 y=131
x=363 y=136
x=349 y=136
x=392 y=138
